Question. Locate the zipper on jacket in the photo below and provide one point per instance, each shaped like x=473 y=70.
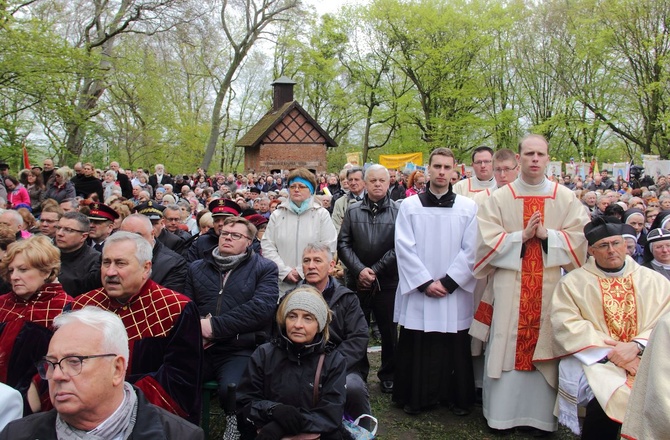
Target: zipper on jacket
x=224 y=279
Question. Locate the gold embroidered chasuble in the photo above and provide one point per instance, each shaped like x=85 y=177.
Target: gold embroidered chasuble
x=588 y=307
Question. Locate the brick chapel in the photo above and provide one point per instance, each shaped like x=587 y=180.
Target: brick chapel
x=286 y=137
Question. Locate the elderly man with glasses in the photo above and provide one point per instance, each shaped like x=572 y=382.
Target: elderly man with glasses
x=86 y=365
x=236 y=292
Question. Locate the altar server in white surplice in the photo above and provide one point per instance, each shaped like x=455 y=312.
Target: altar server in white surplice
x=435 y=241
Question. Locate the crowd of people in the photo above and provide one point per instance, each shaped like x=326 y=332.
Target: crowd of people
x=533 y=294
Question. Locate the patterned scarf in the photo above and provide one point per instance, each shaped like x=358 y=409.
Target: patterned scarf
x=230 y=262
x=121 y=423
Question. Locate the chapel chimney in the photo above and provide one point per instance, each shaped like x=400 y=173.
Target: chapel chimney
x=283 y=92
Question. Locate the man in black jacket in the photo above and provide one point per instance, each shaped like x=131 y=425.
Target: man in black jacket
x=86 y=183
x=236 y=292
x=348 y=329
x=160 y=178
x=122 y=180
x=80 y=264
x=86 y=366
x=366 y=247
x=168 y=268
x=397 y=190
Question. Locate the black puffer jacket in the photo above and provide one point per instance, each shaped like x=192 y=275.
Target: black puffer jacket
x=348 y=329
x=367 y=240
x=242 y=301
x=202 y=245
x=281 y=372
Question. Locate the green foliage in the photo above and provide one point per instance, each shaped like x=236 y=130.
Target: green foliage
x=390 y=76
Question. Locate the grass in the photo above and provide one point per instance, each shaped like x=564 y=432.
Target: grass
x=394 y=424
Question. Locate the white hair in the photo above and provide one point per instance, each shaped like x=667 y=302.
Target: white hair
x=143 y=250
x=376 y=167
x=18 y=220
x=114 y=334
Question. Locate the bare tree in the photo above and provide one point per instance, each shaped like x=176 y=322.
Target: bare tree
x=243 y=22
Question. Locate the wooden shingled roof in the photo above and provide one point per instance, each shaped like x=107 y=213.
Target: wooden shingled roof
x=290 y=124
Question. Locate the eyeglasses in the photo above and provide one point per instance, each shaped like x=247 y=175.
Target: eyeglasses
x=482 y=162
x=68 y=230
x=172 y=219
x=233 y=235
x=297 y=186
x=70 y=365
x=504 y=170
x=660 y=247
x=605 y=246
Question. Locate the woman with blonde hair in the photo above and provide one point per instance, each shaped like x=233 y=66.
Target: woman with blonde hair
x=31 y=266
x=296 y=383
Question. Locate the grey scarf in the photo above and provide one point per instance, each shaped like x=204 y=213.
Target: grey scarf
x=229 y=263
x=121 y=422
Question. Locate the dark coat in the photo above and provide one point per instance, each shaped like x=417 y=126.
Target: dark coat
x=171 y=241
x=168 y=268
x=367 y=240
x=348 y=329
x=283 y=373
x=397 y=191
x=241 y=301
x=153 y=181
x=85 y=186
x=80 y=270
x=60 y=194
x=202 y=245
x=125 y=184
x=153 y=423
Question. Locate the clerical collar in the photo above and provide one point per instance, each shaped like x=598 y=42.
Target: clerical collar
x=613 y=272
x=438 y=195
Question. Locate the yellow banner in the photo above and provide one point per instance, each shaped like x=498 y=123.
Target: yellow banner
x=398 y=161
x=354 y=158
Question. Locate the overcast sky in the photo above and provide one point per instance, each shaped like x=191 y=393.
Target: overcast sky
x=326 y=6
